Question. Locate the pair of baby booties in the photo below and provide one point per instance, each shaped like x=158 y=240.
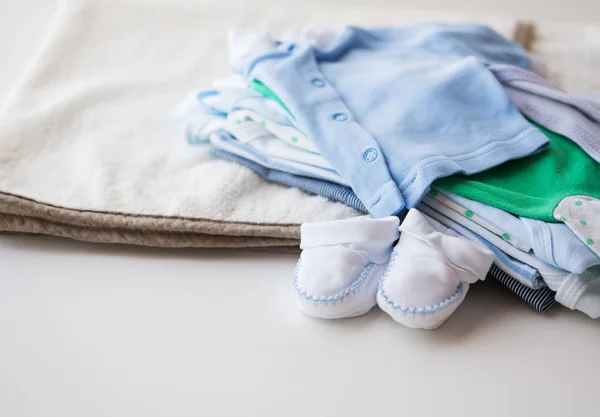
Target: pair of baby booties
x=349 y=266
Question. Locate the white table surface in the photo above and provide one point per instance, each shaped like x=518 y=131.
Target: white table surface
x=98 y=330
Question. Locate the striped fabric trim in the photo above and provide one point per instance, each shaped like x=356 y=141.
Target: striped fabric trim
x=326 y=189
x=541 y=299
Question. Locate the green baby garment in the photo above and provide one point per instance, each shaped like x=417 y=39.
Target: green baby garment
x=532 y=186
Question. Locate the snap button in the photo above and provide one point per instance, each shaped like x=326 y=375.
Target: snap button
x=370 y=155
x=318 y=82
x=340 y=117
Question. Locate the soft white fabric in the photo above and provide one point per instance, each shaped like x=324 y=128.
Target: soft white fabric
x=570 y=286
x=430 y=272
x=579 y=291
x=203 y=112
x=476 y=218
x=222 y=140
x=582 y=295
x=259 y=137
x=522 y=272
x=341 y=264
x=546 y=270
x=582 y=215
x=553 y=243
x=288 y=134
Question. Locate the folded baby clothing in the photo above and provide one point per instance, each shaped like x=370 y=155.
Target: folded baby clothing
x=534 y=186
x=429 y=272
x=518 y=277
x=255 y=135
x=535 y=293
x=390 y=96
x=234 y=99
x=266 y=92
x=568 y=114
x=287 y=133
x=519 y=270
x=341 y=264
x=541 y=299
x=552 y=243
x=440 y=101
x=330 y=190
x=286 y=157
x=252 y=141
x=224 y=140
x=581 y=213
x=518 y=240
x=522 y=274
x=206 y=111
x=557 y=245
x=577 y=285
x=544 y=268
x=579 y=291
x=264 y=135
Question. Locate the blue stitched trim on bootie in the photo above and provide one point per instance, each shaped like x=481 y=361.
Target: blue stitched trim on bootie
x=366 y=272
x=421 y=310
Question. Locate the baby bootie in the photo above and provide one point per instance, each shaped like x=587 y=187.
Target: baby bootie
x=429 y=272
x=341 y=264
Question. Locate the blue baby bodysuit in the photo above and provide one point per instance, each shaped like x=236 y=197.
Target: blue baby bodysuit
x=394 y=109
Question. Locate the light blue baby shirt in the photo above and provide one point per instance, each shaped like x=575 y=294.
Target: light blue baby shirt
x=393 y=109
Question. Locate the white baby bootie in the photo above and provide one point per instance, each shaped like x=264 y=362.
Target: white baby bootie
x=341 y=264
x=429 y=272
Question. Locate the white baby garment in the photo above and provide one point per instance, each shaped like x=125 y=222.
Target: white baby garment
x=582 y=215
x=341 y=263
x=429 y=272
x=286 y=133
x=480 y=220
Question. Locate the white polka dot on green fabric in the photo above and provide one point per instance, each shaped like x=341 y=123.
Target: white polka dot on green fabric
x=578 y=203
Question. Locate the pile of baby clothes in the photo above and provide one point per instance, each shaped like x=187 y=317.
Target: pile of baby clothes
x=468 y=162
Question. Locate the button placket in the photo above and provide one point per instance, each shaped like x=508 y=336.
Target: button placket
x=328 y=116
